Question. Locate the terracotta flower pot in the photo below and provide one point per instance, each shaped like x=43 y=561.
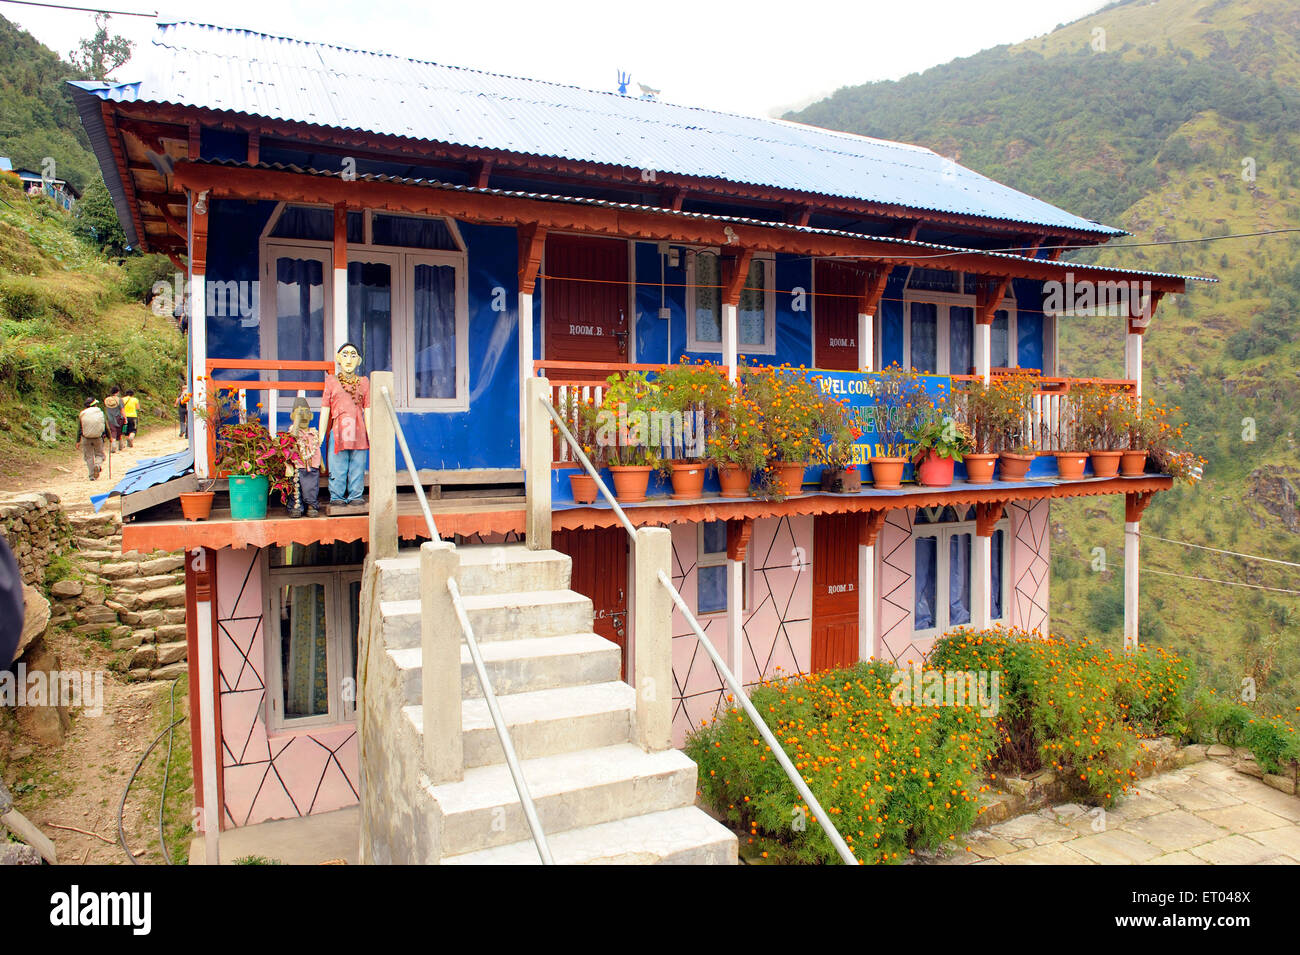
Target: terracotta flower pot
x=1014 y=467
x=887 y=473
x=1133 y=463
x=934 y=471
x=1070 y=465
x=1105 y=464
x=584 y=488
x=196 y=505
x=734 y=480
x=790 y=476
x=688 y=479
x=630 y=482
x=979 y=468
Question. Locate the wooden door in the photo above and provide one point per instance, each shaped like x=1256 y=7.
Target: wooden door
x=585 y=299
x=835 y=315
x=600 y=572
x=835 y=591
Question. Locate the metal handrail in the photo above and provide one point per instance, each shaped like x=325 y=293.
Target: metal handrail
x=819 y=814
x=494 y=710
x=410 y=465
x=507 y=747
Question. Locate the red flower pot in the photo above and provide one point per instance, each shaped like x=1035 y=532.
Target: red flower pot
x=688 y=479
x=979 y=468
x=887 y=473
x=1014 y=467
x=630 y=482
x=734 y=480
x=934 y=471
x=584 y=488
x=1105 y=464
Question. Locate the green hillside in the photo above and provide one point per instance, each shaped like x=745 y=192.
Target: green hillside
x=1150 y=117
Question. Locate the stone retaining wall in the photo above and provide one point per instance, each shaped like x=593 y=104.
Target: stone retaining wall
x=36 y=529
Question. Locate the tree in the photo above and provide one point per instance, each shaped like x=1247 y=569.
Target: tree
x=103 y=53
x=97 y=220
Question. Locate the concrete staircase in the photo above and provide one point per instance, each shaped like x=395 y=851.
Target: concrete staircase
x=600 y=797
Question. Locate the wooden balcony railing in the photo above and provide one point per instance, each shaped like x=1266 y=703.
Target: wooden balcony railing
x=273 y=386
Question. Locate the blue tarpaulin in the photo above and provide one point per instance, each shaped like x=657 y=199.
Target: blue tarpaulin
x=149 y=473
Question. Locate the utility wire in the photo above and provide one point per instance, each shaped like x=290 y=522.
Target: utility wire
x=59 y=6
x=1218 y=550
x=1209 y=580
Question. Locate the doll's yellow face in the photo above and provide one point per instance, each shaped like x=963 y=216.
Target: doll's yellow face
x=302 y=418
x=348 y=358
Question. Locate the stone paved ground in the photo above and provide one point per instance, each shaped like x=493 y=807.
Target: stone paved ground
x=1203 y=814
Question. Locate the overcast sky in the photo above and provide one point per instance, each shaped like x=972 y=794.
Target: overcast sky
x=756 y=57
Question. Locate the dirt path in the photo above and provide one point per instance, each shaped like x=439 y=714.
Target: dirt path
x=65 y=474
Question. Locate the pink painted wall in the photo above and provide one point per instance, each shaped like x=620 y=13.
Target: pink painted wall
x=895 y=563
x=777 y=629
x=1030 y=564
x=268 y=777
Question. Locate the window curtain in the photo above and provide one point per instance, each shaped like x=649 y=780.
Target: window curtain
x=958 y=579
x=301 y=222
x=925 y=333
x=435 y=331
x=300 y=312
x=961 y=340
x=708 y=299
x=996 y=547
x=712 y=588
x=370 y=314
x=751 y=316
x=1000 y=340
x=926 y=583
x=411 y=233
x=304 y=651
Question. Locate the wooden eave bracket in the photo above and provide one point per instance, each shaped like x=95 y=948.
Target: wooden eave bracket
x=1135 y=504
x=738 y=534
x=735 y=270
x=873 y=289
x=988 y=296
x=532 y=240
x=869 y=528
x=1137 y=321
x=987 y=516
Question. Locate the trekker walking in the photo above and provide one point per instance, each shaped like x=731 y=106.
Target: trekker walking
x=113 y=418
x=130 y=417
x=91 y=426
x=183 y=410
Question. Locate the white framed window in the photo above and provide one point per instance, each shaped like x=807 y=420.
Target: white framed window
x=408 y=302
x=755 y=315
x=711 y=569
x=943 y=578
x=312 y=620
x=939 y=332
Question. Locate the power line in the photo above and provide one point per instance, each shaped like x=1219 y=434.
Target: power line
x=1209 y=580
x=1218 y=550
x=1121 y=245
x=58 y=6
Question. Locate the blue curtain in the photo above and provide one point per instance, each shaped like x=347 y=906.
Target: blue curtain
x=299 y=222
x=996 y=546
x=300 y=312
x=925 y=332
x=958 y=579
x=435 y=331
x=961 y=340
x=926 y=582
x=370 y=314
x=712 y=589
x=1029 y=328
x=411 y=233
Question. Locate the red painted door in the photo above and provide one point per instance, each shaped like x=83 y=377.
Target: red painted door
x=835 y=591
x=600 y=572
x=835 y=314
x=585 y=299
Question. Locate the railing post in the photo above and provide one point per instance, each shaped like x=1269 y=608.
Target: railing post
x=440 y=640
x=537 y=464
x=653 y=636
x=383 y=470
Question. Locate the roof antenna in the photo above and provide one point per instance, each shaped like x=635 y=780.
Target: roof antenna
x=623 y=80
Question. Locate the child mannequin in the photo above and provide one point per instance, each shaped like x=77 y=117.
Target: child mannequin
x=307 y=477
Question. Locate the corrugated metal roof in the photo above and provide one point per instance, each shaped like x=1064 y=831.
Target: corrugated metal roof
x=244 y=71
x=148 y=473
x=933 y=250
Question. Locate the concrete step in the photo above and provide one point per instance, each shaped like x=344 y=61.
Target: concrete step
x=685 y=836
x=571 y=791
x=520 y=666
x=485 y=569
x=509 y=616
x=545 y=722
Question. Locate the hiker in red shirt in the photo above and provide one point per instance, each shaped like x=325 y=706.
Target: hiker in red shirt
x=345 y=412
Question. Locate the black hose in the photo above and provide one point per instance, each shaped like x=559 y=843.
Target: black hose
x=167 y=769
x=121 y=807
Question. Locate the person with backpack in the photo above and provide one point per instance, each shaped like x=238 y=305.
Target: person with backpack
x=91 y=426
x=113 y=418
x=130 y=417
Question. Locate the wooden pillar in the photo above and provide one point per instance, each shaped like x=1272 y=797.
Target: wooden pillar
x=537 y=465
x=383 y=470
x=201 y=566
x=868 y=531
x=734 y=270
x=532 y=243
x=870 y=293
x=738 y=535
x=340 y=323
x=989 y=291
x=653 y=628
x=440 y=642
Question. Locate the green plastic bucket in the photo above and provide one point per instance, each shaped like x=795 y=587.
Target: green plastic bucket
x=248 y=496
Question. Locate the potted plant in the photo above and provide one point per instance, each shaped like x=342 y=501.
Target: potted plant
x=695 y=398
x=1168 y=450
x=197 y=505
x=1139 y=430
x=793 y=417
x=840 y=475
x=258 y=463
x=939 y=441
x=1011 y=396
x=626 y=426
x=579 y=413
x=980 y=411
x=735 y=445
x=1102 y=427
x=1070 y=464
x=900 y=394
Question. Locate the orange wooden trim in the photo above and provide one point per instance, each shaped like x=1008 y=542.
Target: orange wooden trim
x=199 y=241
x=739 y=533
x=172 y=224
x=1135 y=504
x=269 y=364
x=874 y=283
x=908 y=230
x=203 y=587
x=532 y=242
x=114 y=137
x=675 y=199
x=799 y=215
x=644 y=224
x=194 y=140
x=254 y=147
x=987 y=514
x=254 y=384
x=483 y=173
x=734 y=270
x=869 y=529
x=340 y=235
x=988 y=296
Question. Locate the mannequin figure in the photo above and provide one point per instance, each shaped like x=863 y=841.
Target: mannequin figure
x=345 y=409
x=306 y=478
